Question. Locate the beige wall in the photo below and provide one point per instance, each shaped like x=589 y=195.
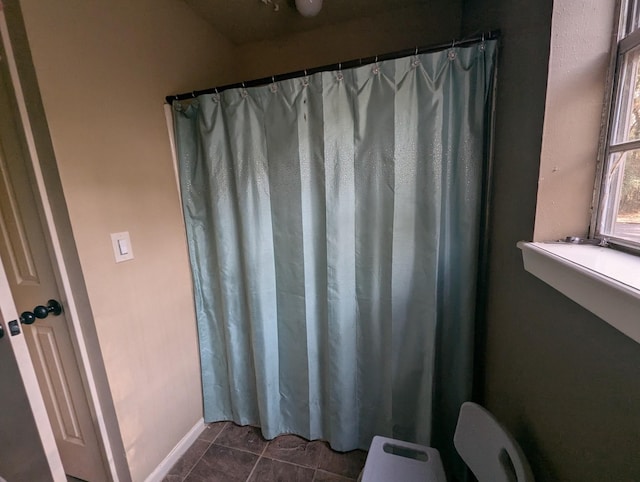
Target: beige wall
x=103 y=70
x=433 y=22
x=563 y=381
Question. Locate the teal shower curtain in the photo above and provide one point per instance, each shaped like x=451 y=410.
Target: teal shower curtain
x=333 y=231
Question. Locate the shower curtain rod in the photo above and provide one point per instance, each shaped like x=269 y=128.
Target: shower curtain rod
x=491 y=35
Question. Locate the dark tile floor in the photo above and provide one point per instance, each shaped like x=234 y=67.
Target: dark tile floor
x=227 y=452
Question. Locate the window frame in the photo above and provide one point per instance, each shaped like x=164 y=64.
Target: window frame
x=623 y=43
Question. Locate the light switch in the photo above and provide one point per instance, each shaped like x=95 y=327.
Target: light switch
x=121 y=246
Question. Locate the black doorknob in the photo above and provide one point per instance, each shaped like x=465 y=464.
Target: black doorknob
x=27 y=318
x=52 y=307
x=41 y=312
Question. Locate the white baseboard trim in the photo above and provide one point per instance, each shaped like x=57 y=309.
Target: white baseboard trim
x=178 y=451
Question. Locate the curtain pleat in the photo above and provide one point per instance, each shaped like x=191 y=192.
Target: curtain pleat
x=333 y=230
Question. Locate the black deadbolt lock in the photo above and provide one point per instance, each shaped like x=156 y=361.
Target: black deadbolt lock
x=14 y=328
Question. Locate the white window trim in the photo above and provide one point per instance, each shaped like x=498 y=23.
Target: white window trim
x=603 y=217
x=604 y=281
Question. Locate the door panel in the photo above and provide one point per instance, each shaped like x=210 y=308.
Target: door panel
x=24 y=425
x=18 y=252
x=32 y=282
x=48 y=355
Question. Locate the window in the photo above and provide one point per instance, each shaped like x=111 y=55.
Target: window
x=618 y=220
x=603 y=281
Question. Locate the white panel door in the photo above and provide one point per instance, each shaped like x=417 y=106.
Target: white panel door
x=27 y=447
x=24 y=253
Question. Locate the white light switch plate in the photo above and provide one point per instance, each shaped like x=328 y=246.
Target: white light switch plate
x=122 y=248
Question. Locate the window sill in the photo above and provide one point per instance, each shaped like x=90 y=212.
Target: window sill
x=602 y=280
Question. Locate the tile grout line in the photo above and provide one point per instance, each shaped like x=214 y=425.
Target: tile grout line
x=264 y=449
x=315 y=468
x=238 y=449
x=205 y=451
x=290 y=463
x=262 y=455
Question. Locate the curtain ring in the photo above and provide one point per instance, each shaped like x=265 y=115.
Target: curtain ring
x=416 y=61
x=452 y=53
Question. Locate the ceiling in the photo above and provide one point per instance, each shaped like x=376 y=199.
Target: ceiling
x=244 y=21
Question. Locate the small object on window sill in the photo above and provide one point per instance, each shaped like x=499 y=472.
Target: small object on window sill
x=591 y=241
